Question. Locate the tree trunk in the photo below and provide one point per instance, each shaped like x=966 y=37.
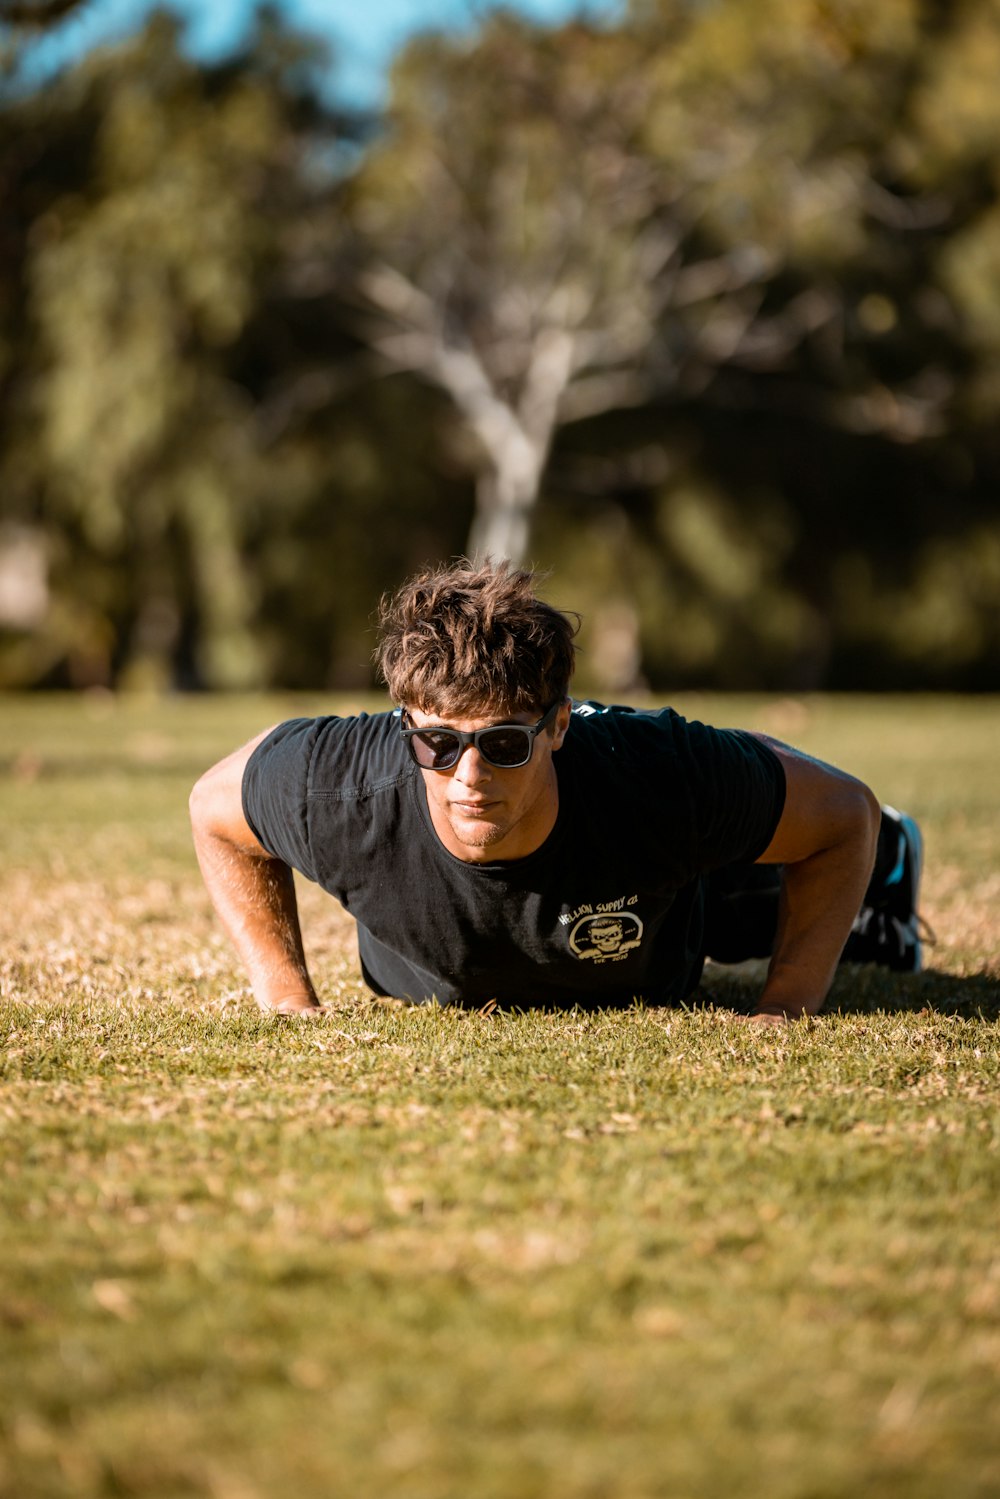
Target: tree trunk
x=518 y=440
x=505 y=498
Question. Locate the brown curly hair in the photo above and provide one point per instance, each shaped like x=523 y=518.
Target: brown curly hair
x=471 y=640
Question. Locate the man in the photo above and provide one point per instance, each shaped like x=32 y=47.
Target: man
x=496 y=841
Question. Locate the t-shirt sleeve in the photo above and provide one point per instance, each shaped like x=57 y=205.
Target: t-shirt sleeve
x=738 y=795
x=275 y=783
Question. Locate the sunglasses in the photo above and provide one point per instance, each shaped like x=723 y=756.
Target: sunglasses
x=504 y=745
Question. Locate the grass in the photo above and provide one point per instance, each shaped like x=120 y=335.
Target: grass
x=428 y=1255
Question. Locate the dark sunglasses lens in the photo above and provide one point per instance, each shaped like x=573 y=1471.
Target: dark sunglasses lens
x=506 y=747
x=436 y=750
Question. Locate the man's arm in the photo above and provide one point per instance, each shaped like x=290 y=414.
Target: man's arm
x=253 y=893
x=826 y=840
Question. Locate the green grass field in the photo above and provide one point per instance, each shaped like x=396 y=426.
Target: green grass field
x=417 y=1254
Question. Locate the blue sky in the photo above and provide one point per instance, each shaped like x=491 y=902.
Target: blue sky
x=365 y=33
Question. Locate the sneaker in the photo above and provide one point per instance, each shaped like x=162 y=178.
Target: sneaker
x=887 y=930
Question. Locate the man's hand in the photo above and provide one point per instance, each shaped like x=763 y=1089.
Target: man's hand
x=768 y=1018
x=298 y=1005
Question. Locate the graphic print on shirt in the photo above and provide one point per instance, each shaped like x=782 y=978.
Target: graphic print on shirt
x=603 y=933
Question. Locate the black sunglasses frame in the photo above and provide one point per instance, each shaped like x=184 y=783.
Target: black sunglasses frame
x=464 y=737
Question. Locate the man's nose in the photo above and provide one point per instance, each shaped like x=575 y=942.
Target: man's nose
x=472 y=769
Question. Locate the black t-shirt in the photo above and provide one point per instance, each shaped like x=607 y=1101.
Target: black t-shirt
x=607 y=910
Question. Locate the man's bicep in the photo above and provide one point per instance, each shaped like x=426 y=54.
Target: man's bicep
x=275 y=794
x=824 y=806
x=217 y=801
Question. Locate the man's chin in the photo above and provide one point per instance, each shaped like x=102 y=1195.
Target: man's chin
x=477 y=833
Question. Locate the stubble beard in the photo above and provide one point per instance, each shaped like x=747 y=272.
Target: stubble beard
x=479 y=834
x=484 y=833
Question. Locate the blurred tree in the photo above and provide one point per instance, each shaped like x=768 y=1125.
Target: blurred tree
x=561 y=223
x=155 y=201
x=37 y=15
x=137 y=296
x=721 y=284
x=523 y=247
x=855 y=151
x=509 y=250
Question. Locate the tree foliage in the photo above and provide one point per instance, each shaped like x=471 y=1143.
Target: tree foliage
x=164 y=353
x=513 y=251
x=702 y=309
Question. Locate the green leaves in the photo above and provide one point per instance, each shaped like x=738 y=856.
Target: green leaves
x=605 y=297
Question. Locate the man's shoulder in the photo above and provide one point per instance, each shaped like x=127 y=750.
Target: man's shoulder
x=335 y=755
x=658 y=738
x=621 y=723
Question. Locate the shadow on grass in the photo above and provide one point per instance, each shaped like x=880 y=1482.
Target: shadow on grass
x=857 y=990
x=862 y=990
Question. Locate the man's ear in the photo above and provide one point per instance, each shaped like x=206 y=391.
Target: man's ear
x=560 y=724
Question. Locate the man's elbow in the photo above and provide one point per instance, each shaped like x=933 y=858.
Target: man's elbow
x=208 y=803
x=864 y=818
x=199 y=801
x=215 y=805
x=216 y=800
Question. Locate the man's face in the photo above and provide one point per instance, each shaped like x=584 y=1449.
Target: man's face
x=481 y=812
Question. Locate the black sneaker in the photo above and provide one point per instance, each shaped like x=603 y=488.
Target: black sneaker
x=887 y=930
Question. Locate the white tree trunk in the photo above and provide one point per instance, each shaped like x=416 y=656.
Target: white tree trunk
x=518 y=442
x=501 y=526
x=515 y=436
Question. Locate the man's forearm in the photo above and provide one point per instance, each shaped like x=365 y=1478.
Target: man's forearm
x=253 y=893
x=825 y=840
x=255 y=900
x=812 y=930
x=820 y=897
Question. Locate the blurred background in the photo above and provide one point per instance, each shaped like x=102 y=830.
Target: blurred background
x=695 y=304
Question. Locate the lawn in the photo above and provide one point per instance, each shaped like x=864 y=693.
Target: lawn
x=418 y=1254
